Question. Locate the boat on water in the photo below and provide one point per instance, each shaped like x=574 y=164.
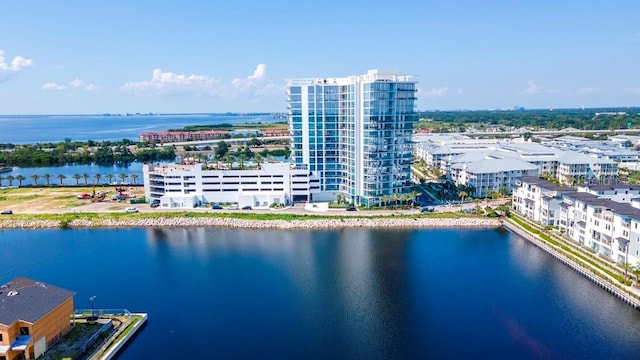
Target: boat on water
x=4 y=168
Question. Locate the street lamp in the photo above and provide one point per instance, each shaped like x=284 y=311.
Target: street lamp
x=93 y=318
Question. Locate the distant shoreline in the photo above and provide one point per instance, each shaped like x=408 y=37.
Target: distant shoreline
x=225 y=222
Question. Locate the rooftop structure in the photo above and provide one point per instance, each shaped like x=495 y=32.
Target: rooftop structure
x=33 y=315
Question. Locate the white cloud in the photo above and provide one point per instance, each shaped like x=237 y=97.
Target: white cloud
x=53 y=86
x=532 y=88
x=434 y=92
x=79 y=84
x=258 y=77
x=167 y=83
x=7 y=68
x=171 y=83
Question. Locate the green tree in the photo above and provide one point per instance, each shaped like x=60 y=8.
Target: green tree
x=10 y=178
x=134 y=178
x=35 y=178
x=97 y=177
x=463 y=195
x=221 y=149
x=61 y=177
x=626 y=266
x=77 y=177
x=86 y=178
x=110 y=177
x=47 y=178
x=636 y=272
x=123 y=176
x=1 y=178
x=20 y=179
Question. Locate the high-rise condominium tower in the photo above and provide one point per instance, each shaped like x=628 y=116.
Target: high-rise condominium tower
x=355 y=132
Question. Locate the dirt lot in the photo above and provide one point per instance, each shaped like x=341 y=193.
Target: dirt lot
x=64 y=199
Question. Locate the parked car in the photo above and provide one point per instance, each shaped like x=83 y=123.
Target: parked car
x=154 y=204
x=83 y=196
x=6 y=212
x=352 y=208
x=233 y=207
x=247 y=207
x=428 y=209
x=131 y=209
x=216 y=207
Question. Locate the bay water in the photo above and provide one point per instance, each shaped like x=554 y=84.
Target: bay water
x=343 y=293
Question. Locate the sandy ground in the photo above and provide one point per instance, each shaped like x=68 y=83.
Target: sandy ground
x=64 y=200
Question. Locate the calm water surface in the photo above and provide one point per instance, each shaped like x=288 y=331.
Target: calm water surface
x=55 y=128
x=349 y=294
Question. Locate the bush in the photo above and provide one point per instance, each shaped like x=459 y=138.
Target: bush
x=64 y=224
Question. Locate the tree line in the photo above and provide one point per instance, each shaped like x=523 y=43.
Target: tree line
x=82 y=153
x=583 y=119
x=48 y=179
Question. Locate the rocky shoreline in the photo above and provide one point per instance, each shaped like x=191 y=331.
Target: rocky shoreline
x=256 y=224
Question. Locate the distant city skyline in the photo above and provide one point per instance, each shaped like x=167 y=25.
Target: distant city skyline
x=73 y=57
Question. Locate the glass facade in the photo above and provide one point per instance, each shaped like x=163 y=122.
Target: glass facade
x=356 y=132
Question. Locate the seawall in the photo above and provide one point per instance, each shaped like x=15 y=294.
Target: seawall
x=615 y=291
x=338 y=222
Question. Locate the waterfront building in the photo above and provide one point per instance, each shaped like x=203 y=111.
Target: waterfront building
x=611 y=229
x=33 y=315
x=603 y=218
x=175 y=136
x=622 y=193
x=355 y=132
x=188 y=186
x=539 y=199
x=490 y=174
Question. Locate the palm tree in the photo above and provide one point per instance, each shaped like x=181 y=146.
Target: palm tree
x=35 y=178
x=20 y=179
x=413 y=195
x=10 y=178
x=134 y=178
x=85 y=177
x=97 y=177
x=626 y=266
x=395 y=197
x=384 y=199
x=110 y=177
x=1 y=178
x=77 y=177
x=123 y=176
x=242 y=158
x=463 y=194
x=47 y=177
x=61 y=177
x=228 y=158
x=636 y=272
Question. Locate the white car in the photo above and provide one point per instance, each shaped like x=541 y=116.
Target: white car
x=131 y=209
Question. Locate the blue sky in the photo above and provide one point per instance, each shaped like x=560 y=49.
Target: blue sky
x=117 y=56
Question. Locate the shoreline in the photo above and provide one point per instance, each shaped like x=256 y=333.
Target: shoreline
x=225 y=222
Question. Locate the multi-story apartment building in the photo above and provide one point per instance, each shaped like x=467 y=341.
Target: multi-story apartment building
x=539 y=199
x=33 y=316
x=355 y=132
x=611 y=229
x=187 y=186
x=491 y=174
x=622 y=193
